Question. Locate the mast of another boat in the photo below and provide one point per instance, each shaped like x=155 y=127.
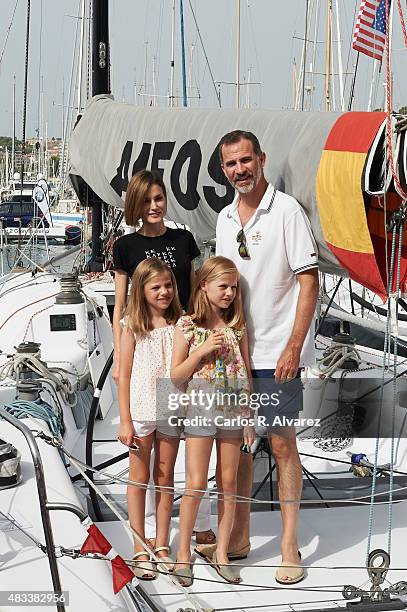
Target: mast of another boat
x=237 y=53
x=184 y=72
x=80 y=71
x=100 y=85
x=172 y=65
x=13 y=141
x=328 y=56
x=340 y=64
x=304 y=57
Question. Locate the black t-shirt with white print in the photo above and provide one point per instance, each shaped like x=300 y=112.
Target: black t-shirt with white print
x=177 y=248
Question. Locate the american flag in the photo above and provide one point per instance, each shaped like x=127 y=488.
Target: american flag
x=369 y=36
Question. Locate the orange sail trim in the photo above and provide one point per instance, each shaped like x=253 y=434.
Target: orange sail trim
x=340 y=198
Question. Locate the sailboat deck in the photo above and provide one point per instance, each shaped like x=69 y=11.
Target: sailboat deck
x=333 y=547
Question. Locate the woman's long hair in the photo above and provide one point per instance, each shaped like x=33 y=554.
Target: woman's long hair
x=136 y=314
x=199 y=305
x=136 y=193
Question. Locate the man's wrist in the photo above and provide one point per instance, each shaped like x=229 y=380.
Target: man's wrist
x=295 y=345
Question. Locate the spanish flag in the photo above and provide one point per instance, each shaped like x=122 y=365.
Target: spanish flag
x=341 y=203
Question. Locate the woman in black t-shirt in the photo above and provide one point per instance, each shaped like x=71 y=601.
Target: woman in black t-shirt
x=146 y=201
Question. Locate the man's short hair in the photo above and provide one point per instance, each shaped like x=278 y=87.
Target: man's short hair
x=237 y=136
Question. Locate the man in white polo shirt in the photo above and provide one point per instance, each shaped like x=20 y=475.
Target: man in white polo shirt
x=267 y=235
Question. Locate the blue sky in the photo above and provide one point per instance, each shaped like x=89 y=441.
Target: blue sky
x=140 y=30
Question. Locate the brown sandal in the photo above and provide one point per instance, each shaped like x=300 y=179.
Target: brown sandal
x=206 y=552
x=204 y=537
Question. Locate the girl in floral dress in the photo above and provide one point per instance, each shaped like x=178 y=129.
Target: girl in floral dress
x=210 y=354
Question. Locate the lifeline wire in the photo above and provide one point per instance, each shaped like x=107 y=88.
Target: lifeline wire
x=239 y=498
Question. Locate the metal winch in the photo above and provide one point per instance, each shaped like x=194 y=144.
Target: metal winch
x=70 y=290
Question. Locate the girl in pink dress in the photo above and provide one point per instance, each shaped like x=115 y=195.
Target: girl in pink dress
x=210 y=355
x=145 y=357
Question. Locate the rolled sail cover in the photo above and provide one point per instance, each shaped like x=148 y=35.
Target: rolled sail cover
x=114 y=140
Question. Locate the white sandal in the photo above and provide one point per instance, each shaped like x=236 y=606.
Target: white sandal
x=165 y=561
x=143 y=568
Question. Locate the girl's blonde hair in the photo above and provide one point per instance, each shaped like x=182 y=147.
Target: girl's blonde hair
x=137 y=190
x=137 y=314
x=199 y=305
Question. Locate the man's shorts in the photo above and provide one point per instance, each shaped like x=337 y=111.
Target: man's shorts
x=279 y=404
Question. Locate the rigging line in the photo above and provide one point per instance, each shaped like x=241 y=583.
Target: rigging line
x=322 y=567
x=328 y=307
x=390 y=519
x=62 y=166
x=26 y=306
x=334 y=588
x=249 y=590
x=239 y=498
x=397 y=184
x=8 y=32
x=249 y=12
x=159 y=39
x=206 y=57
x=267 y=588
x=251 y=587
x=267 y=606
x=403 y=25
x=385 y=348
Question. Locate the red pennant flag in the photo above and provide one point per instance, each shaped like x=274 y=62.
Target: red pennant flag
x=97 y=543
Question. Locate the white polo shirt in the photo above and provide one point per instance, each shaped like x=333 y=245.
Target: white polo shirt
x=280 y=245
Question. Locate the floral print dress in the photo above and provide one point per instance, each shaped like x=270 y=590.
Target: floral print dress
x=222 y=373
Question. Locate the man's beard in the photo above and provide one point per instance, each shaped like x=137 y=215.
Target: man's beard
x=252 y=184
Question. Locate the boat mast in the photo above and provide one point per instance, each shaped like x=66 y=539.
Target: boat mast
x=340 y=65
x=172 y=55
x=304 y=59
x=294 y=86
x=249 y=78
x=184 y=73
x=13 y=142
x=154 y=82
x=328 y=56
x=237 y=53
x=145 y=72
x=81 y=47
x=314 y=55
x=100 y=85
x=41 y=153
x=27 y=46
x=100 y=54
